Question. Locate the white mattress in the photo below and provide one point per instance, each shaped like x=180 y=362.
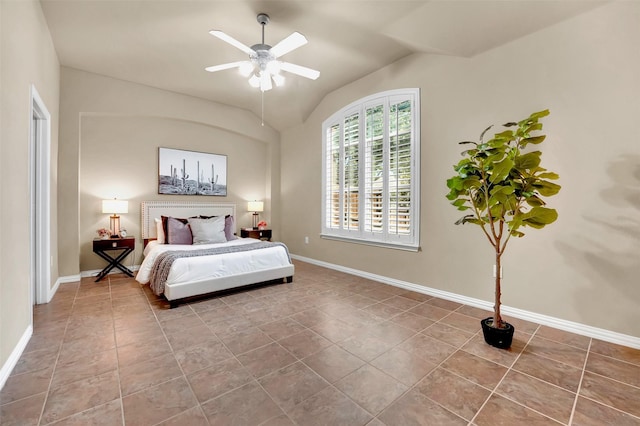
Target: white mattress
x=200 y=268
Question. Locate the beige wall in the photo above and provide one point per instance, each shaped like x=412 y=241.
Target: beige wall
x=583 y=268
x=110 y=131
x=27 y=57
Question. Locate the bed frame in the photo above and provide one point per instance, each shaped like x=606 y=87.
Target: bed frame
x=177 y=292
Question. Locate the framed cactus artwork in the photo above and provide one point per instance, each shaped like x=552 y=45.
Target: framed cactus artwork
x=182 y=172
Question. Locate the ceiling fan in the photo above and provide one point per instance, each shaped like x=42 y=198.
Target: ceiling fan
x=263 y=64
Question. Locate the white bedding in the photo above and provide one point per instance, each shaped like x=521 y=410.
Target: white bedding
x=201 y=268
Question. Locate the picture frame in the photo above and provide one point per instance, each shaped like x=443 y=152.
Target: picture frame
x=184 y=172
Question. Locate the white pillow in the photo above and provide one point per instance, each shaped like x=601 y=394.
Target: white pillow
x=208 y=231
x=159 y=231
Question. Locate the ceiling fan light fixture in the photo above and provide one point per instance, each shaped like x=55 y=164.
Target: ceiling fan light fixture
x=265 y=81
x=254 y=81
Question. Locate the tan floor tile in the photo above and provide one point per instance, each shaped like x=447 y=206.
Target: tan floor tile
x=538 y=395
x=444 y=304
x=191 y=417
x=202 y=356
x=193 y=336
x=282 y=328
x=35 y=360
x=366 y=346
x=158 y=403
x=25 y=411
x=108 y=414
x=501 y=411
x=591 y=413
x=248 y=405
x=89 y=366
x=415 y=409
x=333 y=363
x=292 y=384
x=448 y=334
x=612 y=393
x=570 y=355
x=462 y=397
x=429 y=311
x=79 y=396
x=26 y=384
x=329 y=407
x=371 y=389
x=401 y=303
x=140 y=351
x=407 y=368
x=218 y=379
x=246 y=340
x=614 y=369
x=411 y=321
x=154 y=371
x=565 y=337
x=554 y=372
x=612 y=350
x=461 y=322
x=478 y=370
x=266 y=359
x=305 y=343
x=428 y=348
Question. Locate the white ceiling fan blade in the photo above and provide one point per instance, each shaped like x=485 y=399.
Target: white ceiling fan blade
x=221 y=67
x=288 y=44
x=300 y=70
x=232 y=41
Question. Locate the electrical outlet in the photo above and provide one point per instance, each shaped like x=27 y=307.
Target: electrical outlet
x=306 y=240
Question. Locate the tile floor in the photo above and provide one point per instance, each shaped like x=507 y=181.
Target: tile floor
x=328 y=349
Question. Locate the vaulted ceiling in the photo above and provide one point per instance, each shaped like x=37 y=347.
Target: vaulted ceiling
x=166 y=44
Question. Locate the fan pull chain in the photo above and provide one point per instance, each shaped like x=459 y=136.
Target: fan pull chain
x=262 y=112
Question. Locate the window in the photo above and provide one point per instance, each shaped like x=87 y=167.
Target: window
x=371 y=180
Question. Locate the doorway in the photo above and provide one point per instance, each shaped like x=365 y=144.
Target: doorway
x=40 y=199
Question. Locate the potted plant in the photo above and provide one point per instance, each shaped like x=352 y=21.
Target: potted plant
x=503 y=188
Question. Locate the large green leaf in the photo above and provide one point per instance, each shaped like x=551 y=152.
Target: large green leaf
x=528 y=161
x=549 y=175
x=532 y=140
x=538 y=217
x=501 y=170
x=546 y=188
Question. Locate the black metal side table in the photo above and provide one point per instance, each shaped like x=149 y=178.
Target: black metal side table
x=103 y=248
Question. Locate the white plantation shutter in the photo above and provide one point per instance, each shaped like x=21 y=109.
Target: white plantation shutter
x=350 y=182
x=332 y=178
x=374 y=170
x=371 y=175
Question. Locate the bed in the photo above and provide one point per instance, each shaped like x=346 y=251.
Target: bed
x=182 y=271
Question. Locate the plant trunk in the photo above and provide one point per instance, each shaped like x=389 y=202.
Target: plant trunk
x=497 y=318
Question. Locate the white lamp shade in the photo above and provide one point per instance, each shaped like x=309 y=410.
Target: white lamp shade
x=115 y=206
x=255 y=206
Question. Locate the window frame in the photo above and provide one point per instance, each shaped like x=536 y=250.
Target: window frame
x=336 y=122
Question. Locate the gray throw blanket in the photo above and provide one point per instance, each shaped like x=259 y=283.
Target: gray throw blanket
x=162 y=264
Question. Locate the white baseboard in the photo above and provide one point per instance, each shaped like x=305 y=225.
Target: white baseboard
x=570 y=326
x=13 y=359
x=94 y=272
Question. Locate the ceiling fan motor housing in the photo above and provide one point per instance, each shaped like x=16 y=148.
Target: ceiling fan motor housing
x=263 y=18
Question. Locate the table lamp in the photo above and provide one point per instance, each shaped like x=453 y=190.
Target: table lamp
x=255 y=207
x=114 y=207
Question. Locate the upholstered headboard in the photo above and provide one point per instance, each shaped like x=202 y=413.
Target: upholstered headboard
x=183 y=209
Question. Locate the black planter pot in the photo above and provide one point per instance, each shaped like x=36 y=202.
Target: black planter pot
x=498 y=337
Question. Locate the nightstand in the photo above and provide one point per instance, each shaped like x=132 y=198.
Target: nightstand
x=259 y=234
x=103 y=248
